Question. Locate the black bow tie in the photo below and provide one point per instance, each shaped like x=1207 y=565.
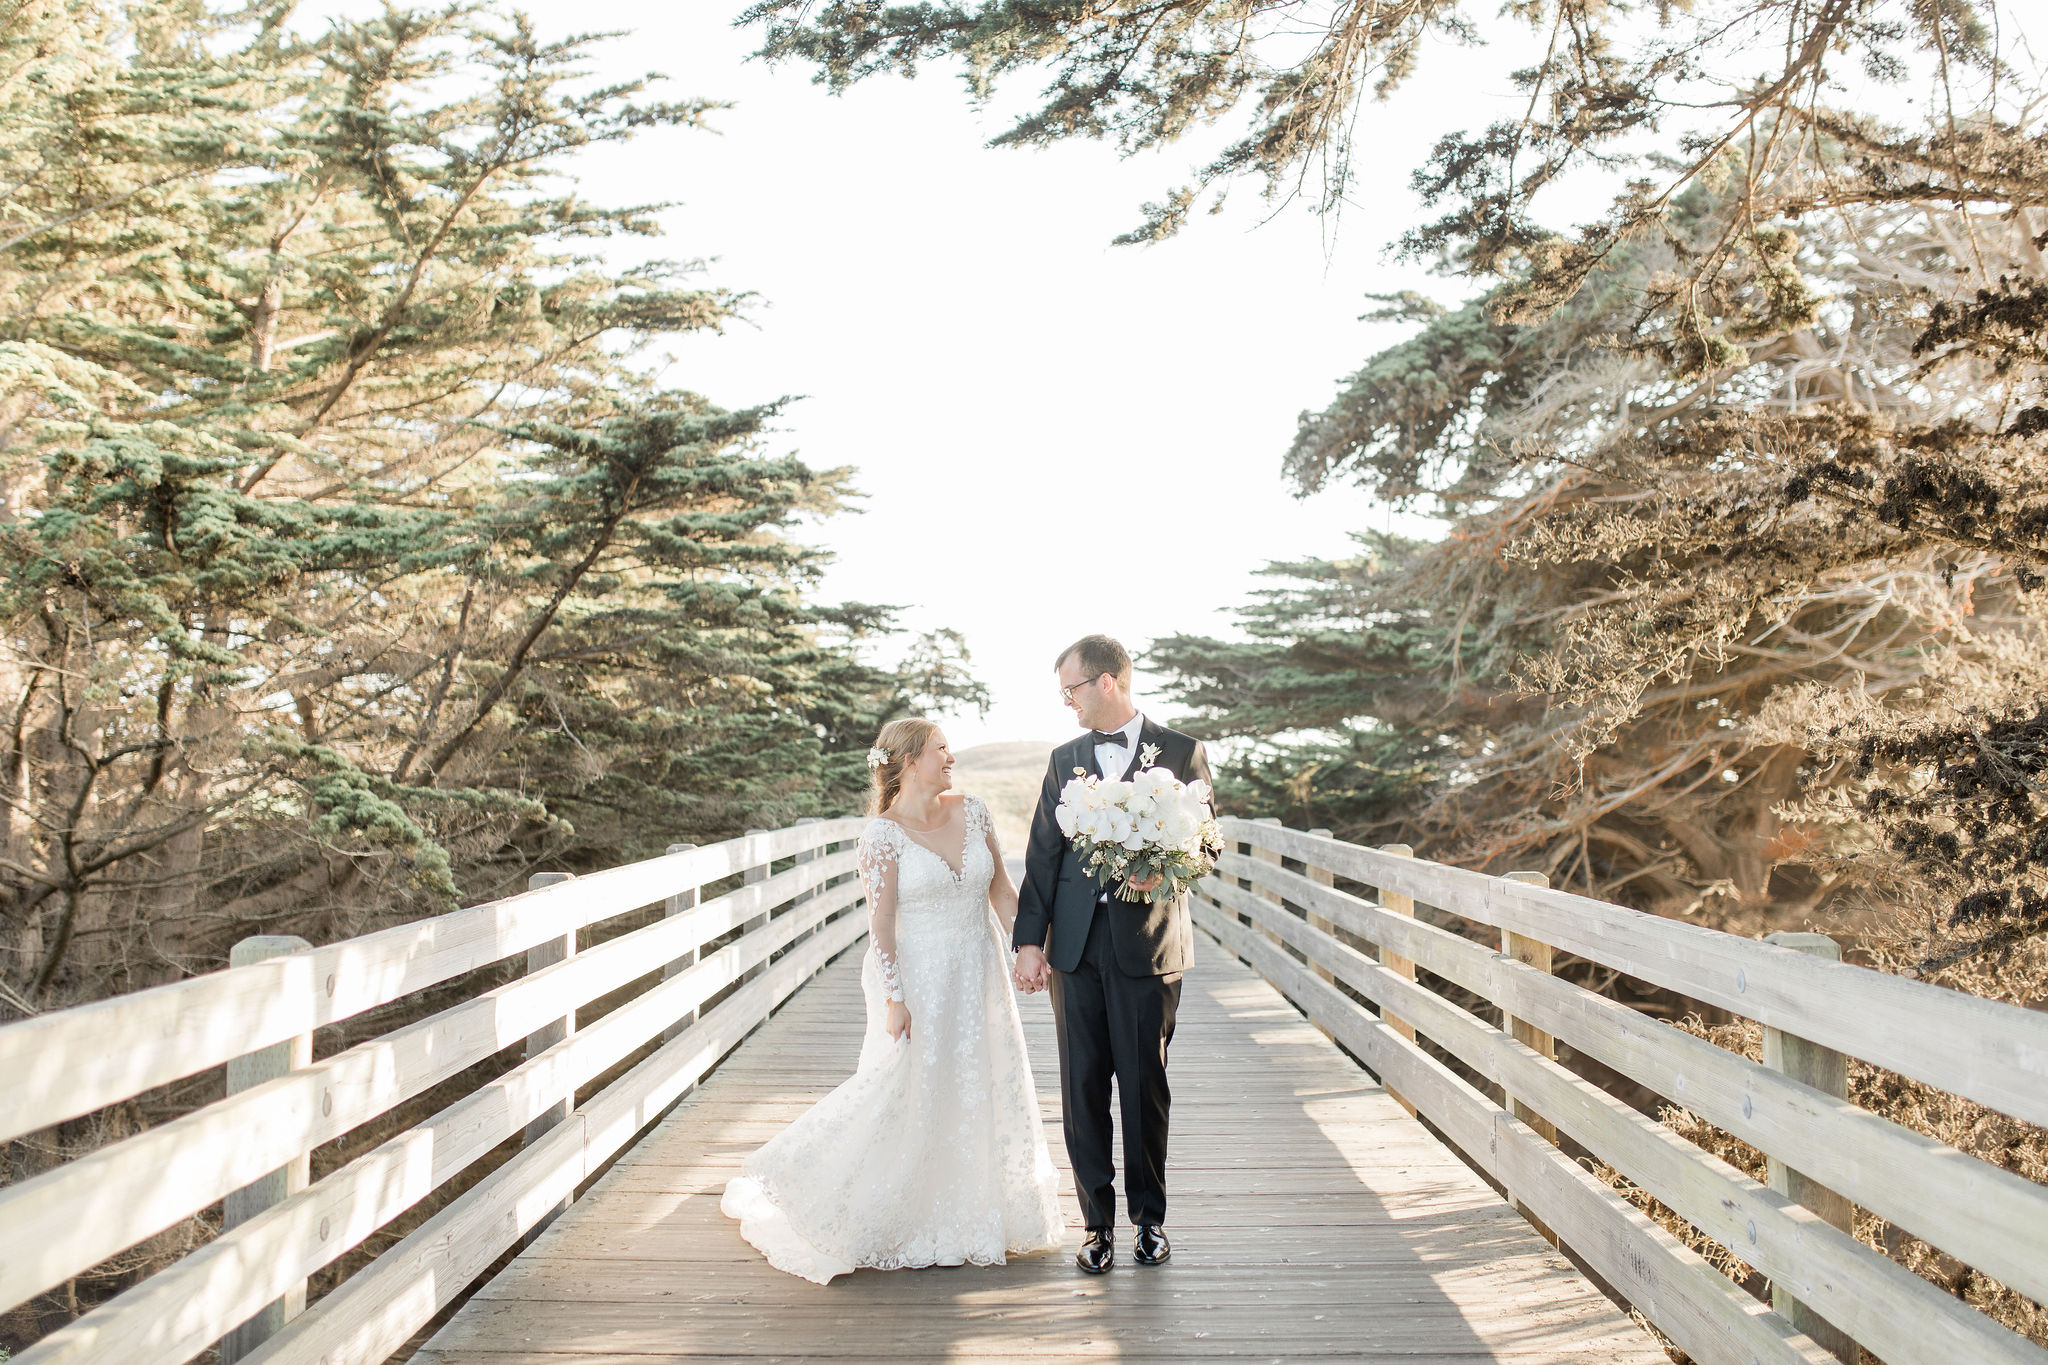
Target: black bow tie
x=1115 y=737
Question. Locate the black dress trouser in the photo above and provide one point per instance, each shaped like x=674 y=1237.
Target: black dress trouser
x=1111 y=1025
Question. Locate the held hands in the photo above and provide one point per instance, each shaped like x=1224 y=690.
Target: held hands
x=1032 y=974
x=897 y=1025
x=1144 y=887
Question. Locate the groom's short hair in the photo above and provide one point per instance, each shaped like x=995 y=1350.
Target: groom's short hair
x=1098 y=655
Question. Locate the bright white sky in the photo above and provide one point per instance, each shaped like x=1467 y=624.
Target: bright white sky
x=1053 y=435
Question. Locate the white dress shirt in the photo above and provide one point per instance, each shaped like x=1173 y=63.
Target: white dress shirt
x=1115 y=761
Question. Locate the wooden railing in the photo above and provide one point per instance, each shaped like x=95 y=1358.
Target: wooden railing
x=679 y=992
x=689 y=985
x=1326 y=949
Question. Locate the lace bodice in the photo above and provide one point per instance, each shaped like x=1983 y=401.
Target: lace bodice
x=909 y=884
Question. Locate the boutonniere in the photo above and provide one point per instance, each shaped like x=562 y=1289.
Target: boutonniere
x=1148 y=755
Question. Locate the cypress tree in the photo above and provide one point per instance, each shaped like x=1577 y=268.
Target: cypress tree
x=351 y=567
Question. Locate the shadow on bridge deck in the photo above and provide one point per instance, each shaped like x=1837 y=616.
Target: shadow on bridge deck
x=1311 y=1217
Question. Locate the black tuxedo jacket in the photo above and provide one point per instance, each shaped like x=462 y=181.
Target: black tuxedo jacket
x=1058 y=901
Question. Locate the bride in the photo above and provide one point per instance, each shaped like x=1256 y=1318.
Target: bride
x=932 y=1153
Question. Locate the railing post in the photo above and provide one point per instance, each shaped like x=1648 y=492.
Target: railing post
x=677 y=904
x=1533 y=953
x=1268 y=855
x=756 y=873
x=244 y=1073
x=1394 y=903
x=805 y=856
x=1827 y=1071
x=547 y=954
x=1321 y=876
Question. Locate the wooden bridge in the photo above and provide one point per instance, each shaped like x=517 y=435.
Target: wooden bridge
x=561 y=1203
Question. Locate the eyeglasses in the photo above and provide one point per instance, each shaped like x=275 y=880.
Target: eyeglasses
x=1067 y=692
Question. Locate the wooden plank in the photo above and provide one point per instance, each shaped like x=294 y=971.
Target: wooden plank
x=680 y=903
x=756 y=873
x=186 y=1305
x=1321 y=876
x=1691 y=1302
x=1269 y=857
x=57 y=1066
x=539 y=958
x=1827 y=1071
x=1400 y=1327
x=1988 y=1218
x=1994 y=1053
x=997 y=1348
x=1394 y=903
x=1899 y=1316
x=273 y=1188
x=1536 y=955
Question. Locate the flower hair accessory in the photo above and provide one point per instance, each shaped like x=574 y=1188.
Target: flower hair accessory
x=877 y=756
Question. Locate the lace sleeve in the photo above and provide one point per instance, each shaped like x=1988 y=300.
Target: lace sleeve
x=878 y=860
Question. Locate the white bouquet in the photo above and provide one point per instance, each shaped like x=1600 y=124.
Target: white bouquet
x=1149 y=825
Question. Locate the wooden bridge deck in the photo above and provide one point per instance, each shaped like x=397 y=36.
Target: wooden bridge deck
x=1311 y=1217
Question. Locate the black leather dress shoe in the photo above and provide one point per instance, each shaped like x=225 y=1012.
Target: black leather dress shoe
x=1150 y=1247
x=1098 y=1251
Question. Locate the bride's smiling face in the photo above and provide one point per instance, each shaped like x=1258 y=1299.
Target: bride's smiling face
x=933 y=770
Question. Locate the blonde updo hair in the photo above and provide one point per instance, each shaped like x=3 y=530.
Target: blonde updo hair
x=903 y=742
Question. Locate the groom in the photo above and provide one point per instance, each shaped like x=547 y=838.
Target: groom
x=1114 y=965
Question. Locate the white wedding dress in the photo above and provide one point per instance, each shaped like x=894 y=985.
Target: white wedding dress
x=933 y=1152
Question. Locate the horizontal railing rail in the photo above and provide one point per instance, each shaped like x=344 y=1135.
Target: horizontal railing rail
x=1329 y=950
x=59 y=1066
x=724 y=964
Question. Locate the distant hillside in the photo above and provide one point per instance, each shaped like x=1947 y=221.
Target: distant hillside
x=1006 y=776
